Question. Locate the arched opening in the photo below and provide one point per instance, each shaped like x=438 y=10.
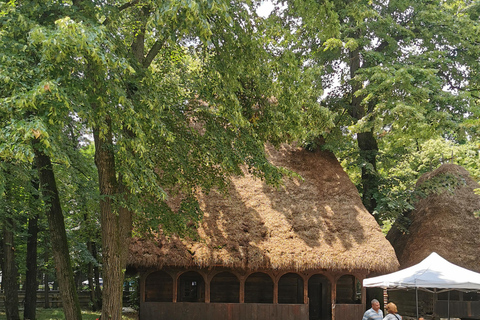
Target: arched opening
x=349 y=290
x=290 y=289
x=225 y=287
x=259 y=288
x=191 y=287
x=159 y=287
x=319 y=296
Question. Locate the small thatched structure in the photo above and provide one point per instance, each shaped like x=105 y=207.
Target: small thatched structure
x=315 y=225
x=444 y=222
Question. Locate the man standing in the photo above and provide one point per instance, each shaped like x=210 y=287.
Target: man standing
x=374 y=313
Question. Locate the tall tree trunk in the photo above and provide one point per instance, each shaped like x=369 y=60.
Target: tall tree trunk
x=46 y=293
x=368 y=152
x=116 y=226
x=10 y=284
x=93 y=279
x=58 y=235
x=366 y=141
x=31 y=284
x=96 y=275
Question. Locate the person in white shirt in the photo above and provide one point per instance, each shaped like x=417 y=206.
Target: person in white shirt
x=374 y=313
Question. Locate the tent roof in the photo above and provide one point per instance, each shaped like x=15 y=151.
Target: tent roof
x=433 y=272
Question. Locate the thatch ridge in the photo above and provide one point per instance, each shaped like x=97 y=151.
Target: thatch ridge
x=315 y=223
x=442 y=222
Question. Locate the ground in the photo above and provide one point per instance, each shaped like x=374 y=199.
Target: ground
x=57 y=314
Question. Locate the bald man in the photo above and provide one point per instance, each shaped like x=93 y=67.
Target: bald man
x=374 y=313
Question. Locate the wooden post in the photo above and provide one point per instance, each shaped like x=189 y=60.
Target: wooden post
x=364 y=293
x=175 y=289
x=305 y=289
x=385 y=301
x=334 y=297
x=242 y=289
x=275 y=290
x=142 y=286
x=207 y=288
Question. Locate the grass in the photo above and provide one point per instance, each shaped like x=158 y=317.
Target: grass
x=57 y=314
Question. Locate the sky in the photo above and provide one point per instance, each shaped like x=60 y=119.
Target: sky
x=265 y=8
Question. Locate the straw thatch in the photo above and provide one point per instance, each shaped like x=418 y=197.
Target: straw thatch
x=315 y=223
x=443 y=222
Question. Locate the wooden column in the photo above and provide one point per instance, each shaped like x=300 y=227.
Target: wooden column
x=385 y=301
x=305 y=289
x=175 y=281
x=242 y=289
x=364 y=292
x=207 y=279
x=275 y=290
x=143 y=276
x=334 y=296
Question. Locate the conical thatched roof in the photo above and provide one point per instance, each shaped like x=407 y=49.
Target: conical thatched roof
x=443 y=221
x=316 y=223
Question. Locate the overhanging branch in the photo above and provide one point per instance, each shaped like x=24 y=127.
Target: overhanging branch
x=121 y=8
x=153 y=52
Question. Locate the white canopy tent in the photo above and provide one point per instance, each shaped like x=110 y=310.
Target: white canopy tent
x=434 y=272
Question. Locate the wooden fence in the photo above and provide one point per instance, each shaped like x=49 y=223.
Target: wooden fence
x=54 y=300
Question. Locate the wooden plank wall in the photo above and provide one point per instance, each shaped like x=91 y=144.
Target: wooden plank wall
x=224 y=311
x=349 y=311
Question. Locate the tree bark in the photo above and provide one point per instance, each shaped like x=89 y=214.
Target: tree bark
x=58 y=235
x=45 y=282
x=31 y=284
x=93 y=279
x=116 y=226
x=366 y=141
x=368 y=152
x=10 y=284
x=96 y=275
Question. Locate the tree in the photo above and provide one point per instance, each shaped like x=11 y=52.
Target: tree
x=31 y=283
x=25 y=114
x=178 y=96
x=16 y=205
x=9 y=266
x=400 y=73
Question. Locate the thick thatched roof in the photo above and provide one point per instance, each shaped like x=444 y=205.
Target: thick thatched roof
x=315 y=223
x=443 y=221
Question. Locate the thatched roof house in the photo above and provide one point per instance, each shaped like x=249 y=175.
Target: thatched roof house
x=309 y=226
x=443 y=220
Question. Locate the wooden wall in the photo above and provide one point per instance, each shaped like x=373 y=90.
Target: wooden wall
x=223 y=311
x=268 y=294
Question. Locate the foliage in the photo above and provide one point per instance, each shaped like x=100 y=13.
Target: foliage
x=416 y=82
x=184 y=94
x=179 y=95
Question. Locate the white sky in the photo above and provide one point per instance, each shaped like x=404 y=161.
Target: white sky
x=265 y=8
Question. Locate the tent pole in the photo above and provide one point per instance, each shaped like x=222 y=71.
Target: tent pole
x=416 y=299
x=448 y=305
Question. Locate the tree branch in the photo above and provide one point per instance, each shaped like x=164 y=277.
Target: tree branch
x=128 y=5
x=153 y=53
x=121 y=8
